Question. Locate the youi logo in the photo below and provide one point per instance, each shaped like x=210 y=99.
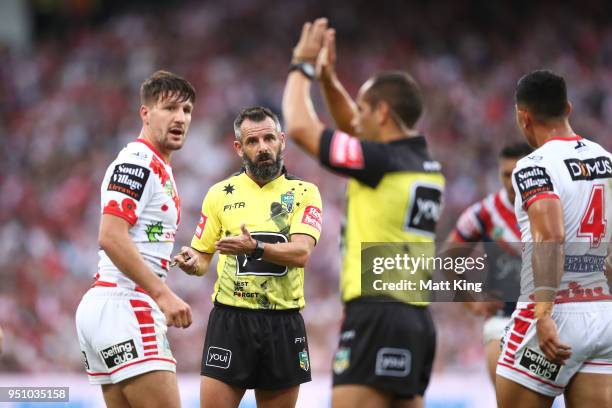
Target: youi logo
x=218 y=357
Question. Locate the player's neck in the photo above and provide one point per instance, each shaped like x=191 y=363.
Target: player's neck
x=393 y=133
x=165 y=154
x=553 y=131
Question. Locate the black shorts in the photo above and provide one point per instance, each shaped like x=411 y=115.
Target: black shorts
x=256 y=348
x=386 y=345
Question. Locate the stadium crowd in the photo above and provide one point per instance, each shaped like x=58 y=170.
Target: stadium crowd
x=69 y=104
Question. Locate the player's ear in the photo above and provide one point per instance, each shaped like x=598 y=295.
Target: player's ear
x=569 y=108
x=238 y=148
x=523 y=118
x=281 y=137
x=382 y=113
x=144 y=114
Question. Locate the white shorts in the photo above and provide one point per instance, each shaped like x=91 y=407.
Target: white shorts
x=494 y=328
x=122 y=334
x=585 y=326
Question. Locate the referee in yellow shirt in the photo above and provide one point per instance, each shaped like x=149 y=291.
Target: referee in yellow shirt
x=264 y=223
x=394 y=193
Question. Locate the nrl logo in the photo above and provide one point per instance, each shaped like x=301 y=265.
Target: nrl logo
x=287 y=200
x=303 y=357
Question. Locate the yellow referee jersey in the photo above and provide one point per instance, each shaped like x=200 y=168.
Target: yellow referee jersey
x=272 y=213
x=393 y=195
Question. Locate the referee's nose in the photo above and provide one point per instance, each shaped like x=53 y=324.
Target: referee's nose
x=263 y=147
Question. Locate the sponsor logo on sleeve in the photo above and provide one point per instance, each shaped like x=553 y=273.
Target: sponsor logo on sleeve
x=313 y=217
x=218 y=357
x=532 y=181
x=539 y=365
x=589 y=169
x=201 y=225
x=129 y=179
x=346 y=151
x=393 y=362
x=119 y=353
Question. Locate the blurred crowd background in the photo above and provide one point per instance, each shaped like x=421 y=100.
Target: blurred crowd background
x=69 y=102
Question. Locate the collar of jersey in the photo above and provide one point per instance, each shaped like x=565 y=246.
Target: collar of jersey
x=269 y=183
x=565 y=139
x=150 y=146
x=418 y=139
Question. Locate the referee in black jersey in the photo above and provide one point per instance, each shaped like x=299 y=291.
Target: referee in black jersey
x=394 y=191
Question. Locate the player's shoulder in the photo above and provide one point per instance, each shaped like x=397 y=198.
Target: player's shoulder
x=596 y=147
x=227 y=185
x=135 y=153
x=540 y=157
x=299 y=183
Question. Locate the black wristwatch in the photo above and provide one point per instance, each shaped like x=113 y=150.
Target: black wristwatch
x=258 y=251
x=305 y=68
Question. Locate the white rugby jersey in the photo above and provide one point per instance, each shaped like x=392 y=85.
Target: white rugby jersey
x=139 y=187
x=579 y=173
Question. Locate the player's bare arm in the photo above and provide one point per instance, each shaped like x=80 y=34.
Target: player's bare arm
x=294 y=253
x=301 y=121
x=546 y=221
x=338 y=101
x=192 y=261
x=115 y=240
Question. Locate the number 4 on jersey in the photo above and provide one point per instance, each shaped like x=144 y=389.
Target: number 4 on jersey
x=593 y=223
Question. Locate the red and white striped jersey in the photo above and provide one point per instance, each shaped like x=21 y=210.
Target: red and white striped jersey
x=579 y=173
x=490 y=220
x=139 y=187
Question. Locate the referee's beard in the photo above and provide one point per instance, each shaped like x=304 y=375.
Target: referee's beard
x=264 y=172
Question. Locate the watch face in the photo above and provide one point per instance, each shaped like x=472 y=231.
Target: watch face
x=308 y=69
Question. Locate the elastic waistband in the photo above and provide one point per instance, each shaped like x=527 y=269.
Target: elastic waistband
x=99 y=283
x=380 y=300
x=581 y=307
x=264 y=311
x=117 y=292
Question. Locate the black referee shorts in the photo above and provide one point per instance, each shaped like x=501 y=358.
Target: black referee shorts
x=260 y=349
x=386 y=345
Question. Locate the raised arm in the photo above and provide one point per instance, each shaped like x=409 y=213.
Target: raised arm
x=339 y=103
x=301 y=121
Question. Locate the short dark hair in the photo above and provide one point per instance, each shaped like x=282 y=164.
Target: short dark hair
x=401 y=92
x=255 y=114
x=544 y=94
x=516 y=150
x=163 y=83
